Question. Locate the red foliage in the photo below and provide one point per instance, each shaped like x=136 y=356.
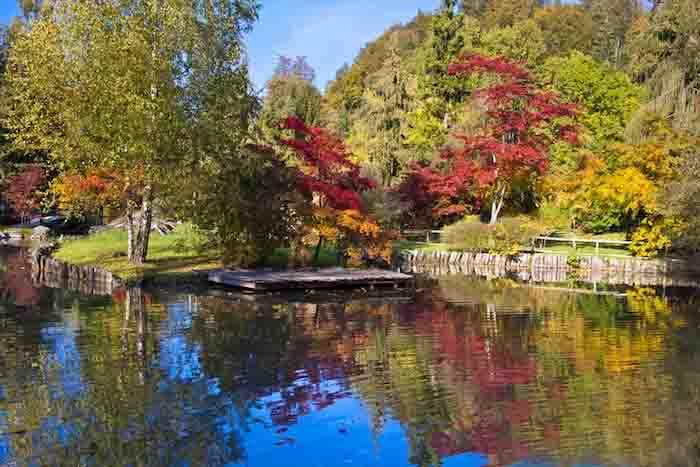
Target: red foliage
x=326 y=167
x=98 y=188
x=16 y=282
x=513 y=147
x=497 y=65
x=22 y=190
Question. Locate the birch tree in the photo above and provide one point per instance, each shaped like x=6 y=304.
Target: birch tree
x=129 y=86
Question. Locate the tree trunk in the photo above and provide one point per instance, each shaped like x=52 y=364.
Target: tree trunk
x=317 y=254
x=140 y=229
x=497 y=205
x=131 y=231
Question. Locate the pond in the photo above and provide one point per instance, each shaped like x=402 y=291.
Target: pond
x=463 y=372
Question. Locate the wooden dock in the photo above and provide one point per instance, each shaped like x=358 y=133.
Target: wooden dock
x=332 y=278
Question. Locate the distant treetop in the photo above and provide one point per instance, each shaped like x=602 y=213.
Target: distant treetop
x=298 y=67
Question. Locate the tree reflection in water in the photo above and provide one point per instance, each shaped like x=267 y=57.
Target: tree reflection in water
x=467 y=366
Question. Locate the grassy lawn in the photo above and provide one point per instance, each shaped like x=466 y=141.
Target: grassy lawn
x=176 y=254
x=563 y=249
x=403 y=245
x=588 y=250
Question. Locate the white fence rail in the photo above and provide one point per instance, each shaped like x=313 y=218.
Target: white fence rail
x=431 y=236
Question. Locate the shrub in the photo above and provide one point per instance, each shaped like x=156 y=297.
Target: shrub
x=652 y=238
x=509 y=236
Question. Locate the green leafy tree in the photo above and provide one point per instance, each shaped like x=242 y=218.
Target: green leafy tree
x=131 y=86
x=290 y=93
x=522 y=42
x=504 y=13
x=565 y=28
x=247 y=207
x=608 y=98
x=378 y=132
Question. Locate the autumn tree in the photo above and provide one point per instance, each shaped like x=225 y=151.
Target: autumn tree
x=565 y=28
x=128 y=86
x=475 y=8
x=522 y=123
x=503 y=13
x=84 y=194
x=628 y=196
x=333 y=185
x=22 y=190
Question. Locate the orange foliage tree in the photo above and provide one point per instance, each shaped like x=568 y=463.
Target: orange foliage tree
x=333 y=185
x=82 y=194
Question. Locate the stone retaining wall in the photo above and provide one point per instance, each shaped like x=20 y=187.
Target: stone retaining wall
x=540 y=267
x=87 y=280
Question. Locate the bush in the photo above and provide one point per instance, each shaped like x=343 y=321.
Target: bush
x=248 y=209
x=653 y=238
x=509 y=236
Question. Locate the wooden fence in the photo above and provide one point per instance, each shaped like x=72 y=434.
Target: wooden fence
x=538 y=243
x=575 y=242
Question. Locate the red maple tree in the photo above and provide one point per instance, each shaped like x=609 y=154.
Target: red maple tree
x=326 y=168
x=333 y=184
x=22 y=190
x=522 y=122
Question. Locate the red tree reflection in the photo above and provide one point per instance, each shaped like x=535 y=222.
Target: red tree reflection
x=16 y=281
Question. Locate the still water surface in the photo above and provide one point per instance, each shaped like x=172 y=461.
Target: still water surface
x=466 y=372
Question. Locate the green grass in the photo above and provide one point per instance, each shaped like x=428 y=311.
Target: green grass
x=567 y=249
x=179 y=253
x=403 y=245
x=587 y=250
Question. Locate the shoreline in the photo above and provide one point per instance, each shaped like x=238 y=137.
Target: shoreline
x=557 y=266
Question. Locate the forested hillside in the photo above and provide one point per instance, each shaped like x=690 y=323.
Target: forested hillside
x=629 y=68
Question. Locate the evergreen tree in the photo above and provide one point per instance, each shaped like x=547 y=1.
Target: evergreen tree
x=611 y=21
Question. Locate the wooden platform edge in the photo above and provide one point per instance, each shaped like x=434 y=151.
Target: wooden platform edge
x=265 y=281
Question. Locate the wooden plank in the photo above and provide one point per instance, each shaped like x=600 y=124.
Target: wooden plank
x=267 y=280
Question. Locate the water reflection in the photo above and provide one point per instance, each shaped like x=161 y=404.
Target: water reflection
x=467 y=372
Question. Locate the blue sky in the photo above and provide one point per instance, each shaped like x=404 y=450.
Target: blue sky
x=8 y=9
x=328 y=32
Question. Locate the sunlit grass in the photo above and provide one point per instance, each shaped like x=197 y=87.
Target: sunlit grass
x=180 y=252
